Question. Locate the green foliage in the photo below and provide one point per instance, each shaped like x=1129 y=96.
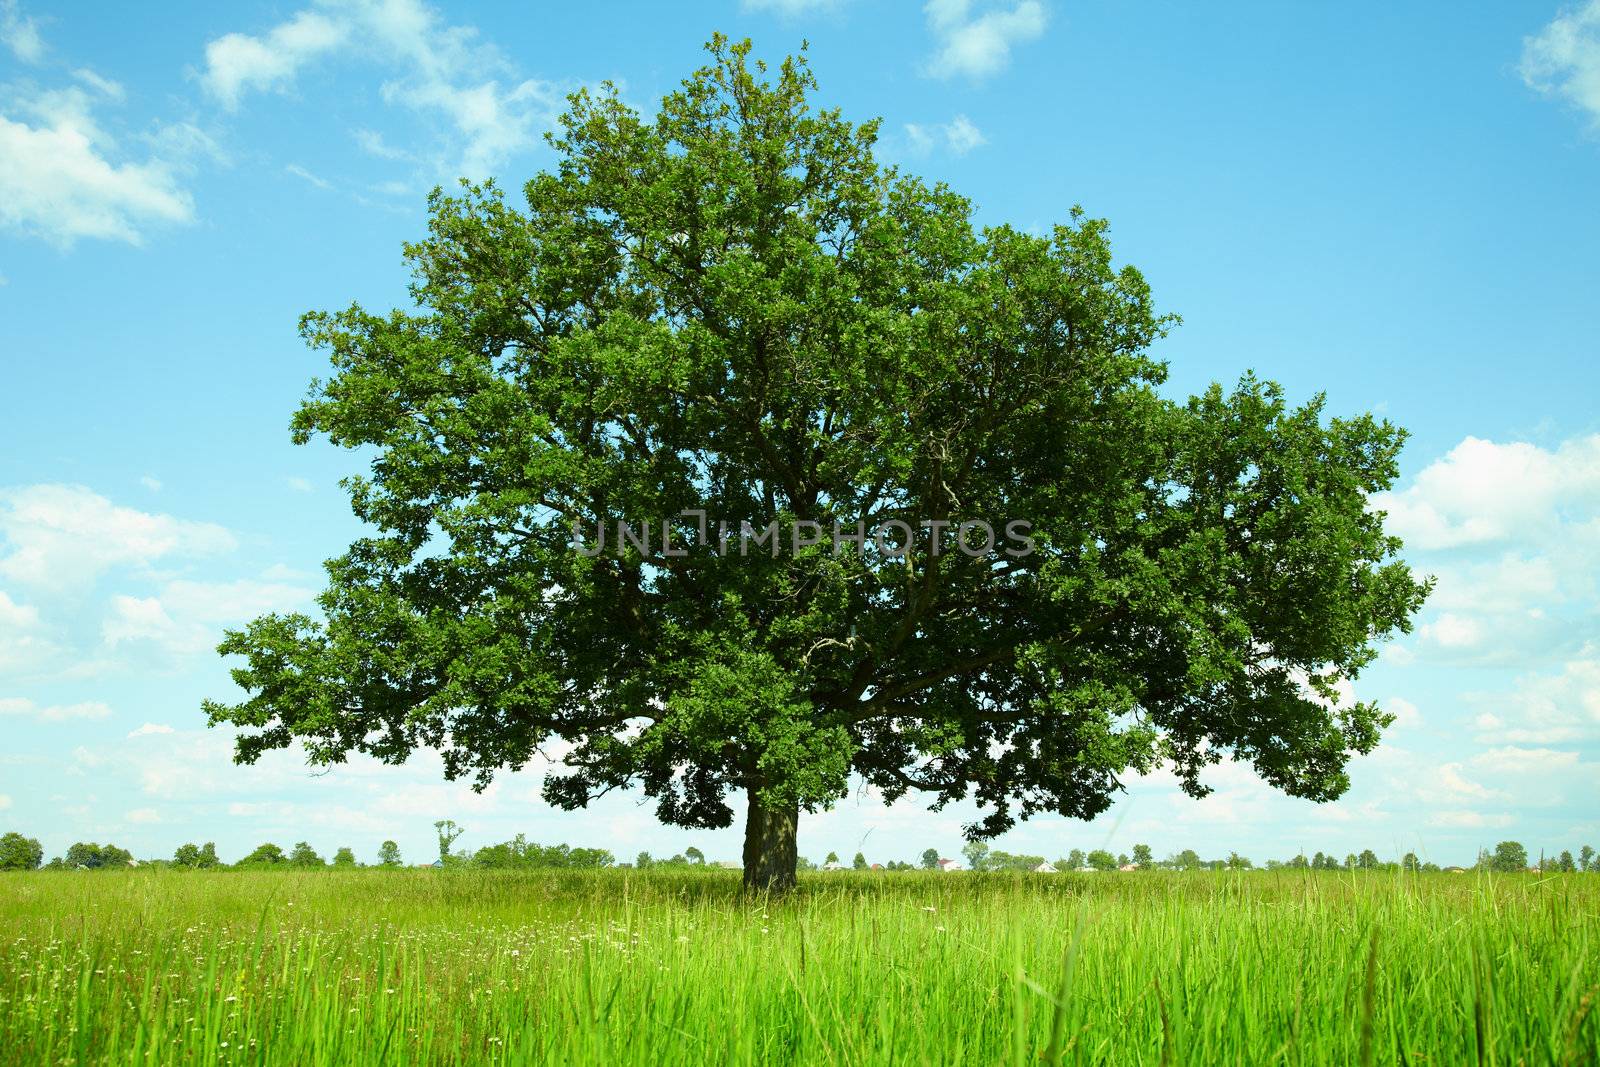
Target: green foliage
x=267 y=855
x=345 y=857
x=196 y=857
x=859 y=863
x=1101 y=860
x=18 y=853
x=733 y=307
x=1143 y=857
x=448 y=831
x=930 y=859
x=679 y=969
x=304 y=856
x=389 y=854
x=1510 y=856
x=1006 y=861
x=521 y=854
x=87 y=854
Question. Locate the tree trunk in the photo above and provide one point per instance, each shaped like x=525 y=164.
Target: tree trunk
x=769 y=846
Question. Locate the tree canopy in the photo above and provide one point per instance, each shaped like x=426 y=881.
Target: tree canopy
x=732 y=318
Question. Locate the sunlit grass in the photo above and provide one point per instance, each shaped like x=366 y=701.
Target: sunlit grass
x=679 y=968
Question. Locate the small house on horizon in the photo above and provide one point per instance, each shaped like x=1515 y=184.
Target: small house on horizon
x=949 y=865
x=1046 y=867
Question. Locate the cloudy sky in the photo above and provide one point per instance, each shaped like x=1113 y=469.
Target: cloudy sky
x=1398 y=204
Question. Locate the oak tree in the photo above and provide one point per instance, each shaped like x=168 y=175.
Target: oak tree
x=732 y=309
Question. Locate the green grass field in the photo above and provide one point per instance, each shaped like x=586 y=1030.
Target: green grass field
x=660 y=969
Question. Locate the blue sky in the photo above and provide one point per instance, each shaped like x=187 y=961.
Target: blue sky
x=1398 y=204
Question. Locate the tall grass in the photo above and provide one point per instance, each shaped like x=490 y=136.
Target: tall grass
x=678 y=968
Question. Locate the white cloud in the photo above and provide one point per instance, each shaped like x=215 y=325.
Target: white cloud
x=150 y=728
x=151 y=483
x=65 y=536
x=143 y=816
x=300 y=485
x=1512 y=759
x=53 y=713
x=1453 y=784
x=1461 y=819
x=306 y=176
x=20 y=33
x=187 y=617
x=107 y=88
x=1484 y=492
x=963 y=136
x=1405 y=713
x=978 y=45
x=1546 y=708
x=237 y=62
x=1563 y=59
x=15 y=618
x=5 y=802
x=441 y=71
x=59 y=179
x=959 y=136
x=1511 y=533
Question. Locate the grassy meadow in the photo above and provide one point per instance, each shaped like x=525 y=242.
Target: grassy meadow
x=626 y=967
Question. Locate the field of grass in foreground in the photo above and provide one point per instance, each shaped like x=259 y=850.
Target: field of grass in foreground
x=625 y=967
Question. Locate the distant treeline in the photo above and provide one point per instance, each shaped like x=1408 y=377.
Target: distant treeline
x=20 y=853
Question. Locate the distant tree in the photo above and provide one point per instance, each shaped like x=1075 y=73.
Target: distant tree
x=1143 y=857
x=345 y=857
x=643 y=861
x=1187 y=860
x=303 y=855
x=208 y=856
x=930 y=859
x=694 y=855
x=92 y=856
x=1101 y=860
x=1299 y=862
x=267 y=855
x=1368 y=860
x=18 y=853
x=1586 y=858
x=1316 y=861
x=186 y=856
x=1565 y=863
x=1237 y=862
x=832 y=857
x=802 y=863
x=389 y=854
x=860 y=862
x=977 y=855
x=1076 y=859
x=1409 y=862
x=1510 y=856
x=1350 y=861
x=448 y=832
